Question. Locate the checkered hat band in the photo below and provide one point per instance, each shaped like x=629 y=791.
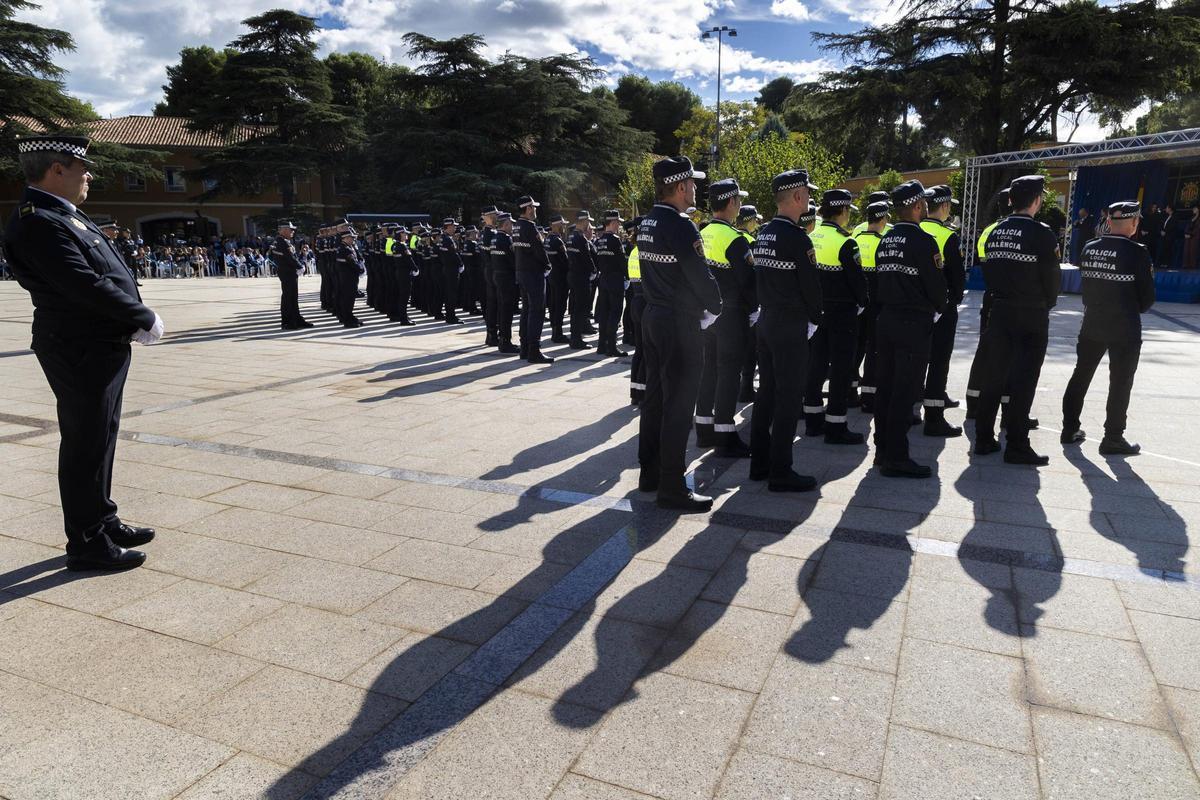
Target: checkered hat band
x=727 y=195
x=912 y=200
x=842 y=202
x=53 y=146
x=794 y=185
x=683 y=176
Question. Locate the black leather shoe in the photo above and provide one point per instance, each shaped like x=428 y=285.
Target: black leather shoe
x=792 y=483
x=1117 y=446
x=950 y=403
x=490 y=341
x=580 y=345
x=1031 y=424
x=538 y=358
x=905 y=469
x=101 y=553
x=559 y=339
x=306 y=324
x=455 y=321
x=615 y=353
x=844 y=436
x=406 y=321
x=942 y=428
x=128 y=536
x=509 y=348
x=691 y=503
x=733 y=447
x=1072 y=437
x=985 y=447
x=1024 y=454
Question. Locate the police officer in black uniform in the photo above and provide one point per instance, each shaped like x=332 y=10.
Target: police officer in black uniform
x=288 y=269
x=581 y=257
x=748 y=220
x=636 y=301
x=937 y=224
x=504 y=277
x=487 y=256
x=559 y=288
x=682 y=299
x=975 y=376
x=86 y=311
x=844 y=296
x=868 y=239
x=611 y=276
x=912 y=295
x=452 y=266
x=1118 y=287
x=533 y=267
x=348 y=264
x=472 y=283
x=789 y=294
x=1022 y=270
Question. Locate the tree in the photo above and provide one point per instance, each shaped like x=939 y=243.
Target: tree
x=772 y=96
x=636 y=189
x=190 y=83
x=660 y=108
x=757 y=161
x=740 y=120
x=273 y=80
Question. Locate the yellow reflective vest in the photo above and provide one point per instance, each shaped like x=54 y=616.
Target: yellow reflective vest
x=717 y=236
x=388 y=245
x=827 y=241
x=868 y=243
x=634 y=264
x=939 y=232
x=979 y=250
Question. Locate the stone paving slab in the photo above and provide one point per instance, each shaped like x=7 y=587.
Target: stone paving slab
x=437 y=579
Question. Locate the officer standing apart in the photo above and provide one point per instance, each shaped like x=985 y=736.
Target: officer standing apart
x=727 y=253
x=912 y=296
x=288 y=269
x=452 y=267
x=682 y=299
x=86 y=311
x=937 y=225
x=843 y=297
x=789 y=294
x=1118 y=287
x=878 y=219
x=533 y=267
x=1022 y=271
x=610 y=284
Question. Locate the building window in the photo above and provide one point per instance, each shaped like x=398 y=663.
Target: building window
x=173 y=179
x=135 y=184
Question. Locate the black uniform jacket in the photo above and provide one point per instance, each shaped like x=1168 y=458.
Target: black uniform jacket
x=610 y=256
x=582 y=256
x=502 y=253
x=527 y=247
x=284 y=256
x=909 y=270
x=556 y=250
x=79 y=283
x=674 y=272
x=1118 y=287
x=1021 y=266
x=786 y=268
x=448 y=252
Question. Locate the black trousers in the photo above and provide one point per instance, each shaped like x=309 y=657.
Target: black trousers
x=533 y=311
x=449 y=296
x=289 y=299
x=672 y=343
x=506 y=304
x=610 y=297
x=902 y=339
x=580 y=303
x=782 y=360
x=831 y=354
x=720 y=379
x=489 y=303
x=1122 y=364
x=864 y=356
x=975 y=376
x=1016 y=342
x=347 y=288
x=88 y=381
x=327 y=286
x=637 y=365
x=559 y=291
x=941 y=348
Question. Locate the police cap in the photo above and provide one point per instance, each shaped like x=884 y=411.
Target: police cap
x=810 y=215
x=75 y=146
x=724 y=189
x=1125 y=209
x=878 y=210
x=287 y=223
x=838 y=198
x=489 y=211
x=583 y=214
x=525 y=201
x=504 y=216
x=792 y=179
x=471 y=229
x=558 y=219
x=675 y=169
x=612 y=215
x=448 y=221
x=877 y=197
x=748 y=212
x=908 y=193
x=936 y=195
x=630 y=224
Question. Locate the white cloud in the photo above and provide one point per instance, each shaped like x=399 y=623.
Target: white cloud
x=870 y=12
x=125 y=46
x=791 y=9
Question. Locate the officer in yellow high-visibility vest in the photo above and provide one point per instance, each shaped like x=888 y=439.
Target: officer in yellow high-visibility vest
x=637 y=304
x=727 y=254
x=808 y=220
x=844 y=297
x=878 y=220
x=975 y=377
x=872 y=199
x=937 y=225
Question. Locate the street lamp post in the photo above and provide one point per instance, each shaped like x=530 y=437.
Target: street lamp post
x=718 y=30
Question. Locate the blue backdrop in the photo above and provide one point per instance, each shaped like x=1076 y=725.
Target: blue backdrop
x=1097 y=187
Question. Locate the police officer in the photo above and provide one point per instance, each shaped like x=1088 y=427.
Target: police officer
x=325 y=242
x=1118 y=287
x=808 y=220
x=1022 y=271
x=452 y=266
x=844 y=296
x=937 y=224
x=86 y=310
x=504 y=279
x=559 y=288
x=403 y=268
x=487 y=255
x=288 y=269
x=878 y=220
x=348 y=264
x=912 y=294
x=581 y=257
x=472 y=280
x=789 y=294
x=872 y=199
x=611 y=271
x=636 y=300
x=682 y=299
x=532 y=269
x=727 y=253
x=748 y=220
x=975 y=377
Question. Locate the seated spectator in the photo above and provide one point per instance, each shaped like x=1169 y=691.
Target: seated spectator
x=199 y=261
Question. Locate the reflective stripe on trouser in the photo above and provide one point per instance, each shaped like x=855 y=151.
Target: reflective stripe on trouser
x=720 y=380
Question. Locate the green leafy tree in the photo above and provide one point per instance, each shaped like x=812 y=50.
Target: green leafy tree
x=772 y=96
x=636 y=189
x=660 y=108
x=758 y=160
x=190 y=83
x=740 y=120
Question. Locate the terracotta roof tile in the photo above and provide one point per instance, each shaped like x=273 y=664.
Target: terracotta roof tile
x=155 y=132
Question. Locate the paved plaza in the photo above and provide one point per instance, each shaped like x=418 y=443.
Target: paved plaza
x=393 y=564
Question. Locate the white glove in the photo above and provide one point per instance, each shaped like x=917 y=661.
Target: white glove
x=460 y=269
x=811 y=330
x=546 y=274
x=936 y=317
x=151 y=336
x=415 y=273
x=861 y=309
x=627 y=285
x=754 y=316
x=707 y=320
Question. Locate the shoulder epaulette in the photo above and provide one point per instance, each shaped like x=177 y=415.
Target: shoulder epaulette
x=27 y=209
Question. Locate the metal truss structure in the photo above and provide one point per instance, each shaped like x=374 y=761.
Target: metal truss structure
x=1168 y=144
